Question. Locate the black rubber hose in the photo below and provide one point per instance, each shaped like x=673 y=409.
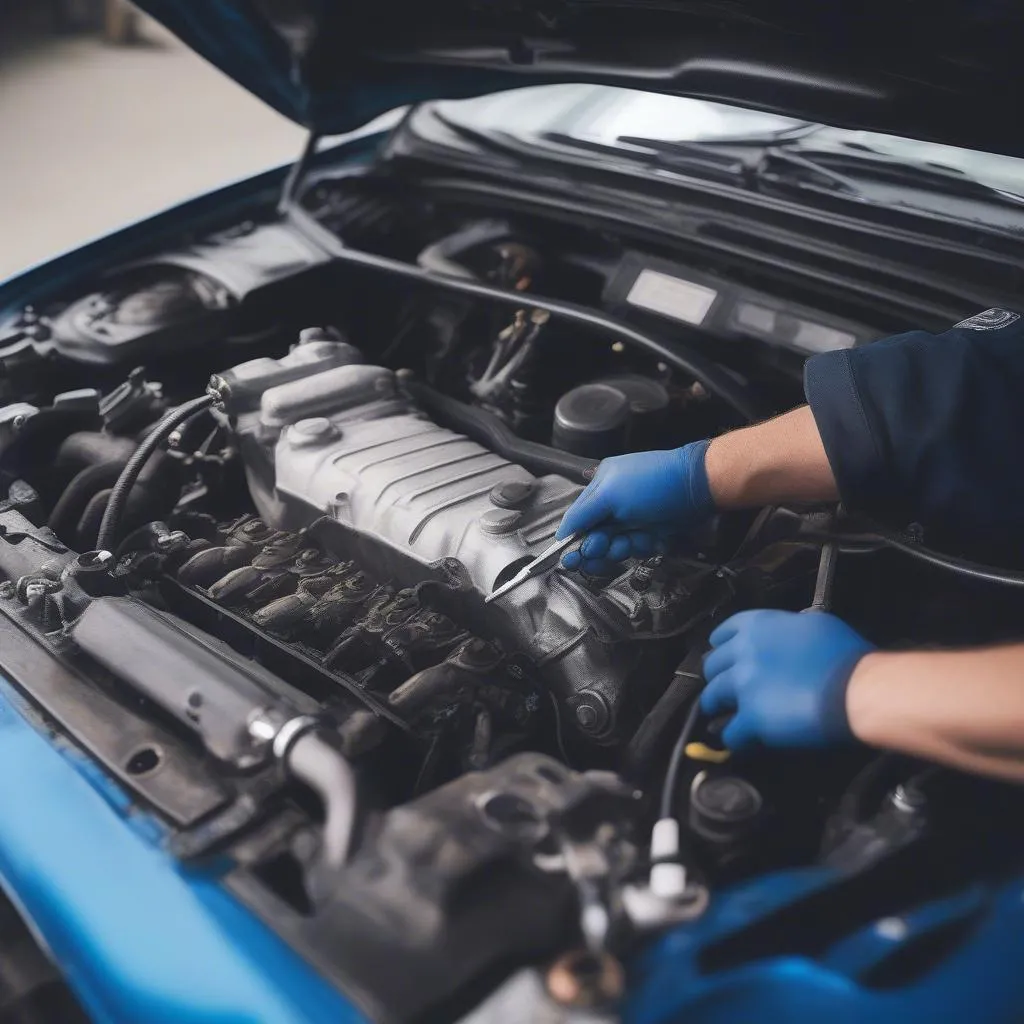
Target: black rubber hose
x=107 y=537
x=67 y=514
x=651 y=735
x=710 y=374
x=89 y=524
x=879 y=537
x=960 y=566
x=492 y=433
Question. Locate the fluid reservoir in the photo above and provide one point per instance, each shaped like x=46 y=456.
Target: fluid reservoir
x=648 y=409
x=591 y=420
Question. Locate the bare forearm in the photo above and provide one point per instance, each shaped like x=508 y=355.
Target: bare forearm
x=961 y=708
x=780 y=460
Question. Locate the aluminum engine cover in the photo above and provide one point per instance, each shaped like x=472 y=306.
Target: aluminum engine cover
x=347 y=442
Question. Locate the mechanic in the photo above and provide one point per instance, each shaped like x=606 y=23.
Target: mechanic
x=916 y=428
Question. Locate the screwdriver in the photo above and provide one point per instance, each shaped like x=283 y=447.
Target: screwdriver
x=547 y=559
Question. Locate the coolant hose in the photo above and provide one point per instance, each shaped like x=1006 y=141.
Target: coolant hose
x=485 y=428
x=312 y=760
x=107 y=537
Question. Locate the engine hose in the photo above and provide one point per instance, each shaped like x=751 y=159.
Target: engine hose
x=877 y=537
x=960 y=566
x=651 y=735
x=712 y=376
x=89 y=524
x=315 y=762
x=107 y=537
x=484 y=427
x=79 y=494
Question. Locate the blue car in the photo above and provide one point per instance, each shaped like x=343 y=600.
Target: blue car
x=270 y=750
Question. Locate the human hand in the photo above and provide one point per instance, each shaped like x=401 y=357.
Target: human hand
x=785 y=675
x=634 y=505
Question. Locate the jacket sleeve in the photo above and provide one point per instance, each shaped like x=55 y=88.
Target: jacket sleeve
x=929 y=428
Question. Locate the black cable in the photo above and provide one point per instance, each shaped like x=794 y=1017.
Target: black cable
x=951 y=563
x=961 y=566
x=711 y=376
x=675 y=762
x=133 y=468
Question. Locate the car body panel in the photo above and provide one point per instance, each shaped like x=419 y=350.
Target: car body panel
x=946 y=72
x=138 y=936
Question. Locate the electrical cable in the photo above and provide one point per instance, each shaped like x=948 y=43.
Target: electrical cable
x=675 y=762
x=880 y=537
x=951 y=563
x=107 y=536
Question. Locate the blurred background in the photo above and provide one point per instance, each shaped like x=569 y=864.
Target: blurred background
x=106 y=118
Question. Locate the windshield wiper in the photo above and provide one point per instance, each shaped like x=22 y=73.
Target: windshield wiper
x=688 y=158
x=848 y=172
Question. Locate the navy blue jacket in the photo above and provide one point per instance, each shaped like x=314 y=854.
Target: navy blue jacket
x=929 y=428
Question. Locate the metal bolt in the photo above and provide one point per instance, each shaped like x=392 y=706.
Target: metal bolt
x=586 y=716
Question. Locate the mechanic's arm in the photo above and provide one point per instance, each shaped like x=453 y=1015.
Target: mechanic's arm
x=794 y=679
x=918 y=427
x=777 y=461
x=638 y=502
x=960 y=708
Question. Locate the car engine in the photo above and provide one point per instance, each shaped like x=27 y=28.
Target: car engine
x=254 y=509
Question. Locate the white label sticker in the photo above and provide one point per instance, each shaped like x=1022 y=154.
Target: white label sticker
x=671 y=296
x=990 y=320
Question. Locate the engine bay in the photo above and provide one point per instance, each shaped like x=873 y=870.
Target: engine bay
x=263 y=603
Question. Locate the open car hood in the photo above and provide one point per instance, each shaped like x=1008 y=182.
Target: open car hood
x=948 y=71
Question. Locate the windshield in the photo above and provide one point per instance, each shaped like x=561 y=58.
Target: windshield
x=605 y=115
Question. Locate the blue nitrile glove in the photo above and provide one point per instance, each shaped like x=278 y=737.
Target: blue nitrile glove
x=638 y=502
x=785 y=676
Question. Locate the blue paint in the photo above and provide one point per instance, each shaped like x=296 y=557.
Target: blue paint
x=138 y=938
x=979 y=980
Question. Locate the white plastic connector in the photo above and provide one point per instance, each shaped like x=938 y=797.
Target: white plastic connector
x=668 y=876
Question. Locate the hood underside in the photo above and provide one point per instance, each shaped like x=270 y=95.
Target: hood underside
x=947 y=71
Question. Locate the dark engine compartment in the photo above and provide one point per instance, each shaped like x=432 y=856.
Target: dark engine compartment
x=282 y=646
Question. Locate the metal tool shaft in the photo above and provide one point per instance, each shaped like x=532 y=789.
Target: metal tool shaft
x=536 y=567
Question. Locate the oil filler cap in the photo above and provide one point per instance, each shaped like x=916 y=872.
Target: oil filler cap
x=723 y=807
x=591 y=420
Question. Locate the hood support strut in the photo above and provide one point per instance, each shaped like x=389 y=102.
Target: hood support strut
x=297 y=171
